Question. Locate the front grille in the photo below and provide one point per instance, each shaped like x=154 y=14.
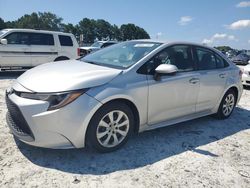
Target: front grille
x=13 y=125
x=16 y=120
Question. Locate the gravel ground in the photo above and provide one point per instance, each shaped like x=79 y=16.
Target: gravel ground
x=205 y=152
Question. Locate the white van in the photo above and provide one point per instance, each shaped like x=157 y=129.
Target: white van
x=25 y=48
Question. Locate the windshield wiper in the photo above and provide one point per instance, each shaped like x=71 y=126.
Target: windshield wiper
x=90 y=62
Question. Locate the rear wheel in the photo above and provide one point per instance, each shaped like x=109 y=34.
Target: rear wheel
x=110 y=127
x=227 y=105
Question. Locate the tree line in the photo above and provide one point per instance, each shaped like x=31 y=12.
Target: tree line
x=90 y=29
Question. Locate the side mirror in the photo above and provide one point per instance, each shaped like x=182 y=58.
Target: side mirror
x=4 y=41
x=165 y=69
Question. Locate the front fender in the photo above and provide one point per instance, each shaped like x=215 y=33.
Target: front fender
x=137 y=95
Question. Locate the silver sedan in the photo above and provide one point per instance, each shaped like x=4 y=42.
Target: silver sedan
x=130 y=87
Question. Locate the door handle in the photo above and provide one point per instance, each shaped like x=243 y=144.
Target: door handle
x=194 y=80
x=222 y=75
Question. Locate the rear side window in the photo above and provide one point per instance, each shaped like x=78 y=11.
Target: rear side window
x=65 y=40
x=20 y=38
x=41 y=39
x=205 y=59
x=221 y=63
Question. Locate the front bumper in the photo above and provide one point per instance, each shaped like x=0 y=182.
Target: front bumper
x=246 y=79
x=31 y=123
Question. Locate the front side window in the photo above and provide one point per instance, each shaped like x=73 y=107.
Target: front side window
x=121 y=55
x=41 y=39
x=178 y=55
x=20 y=38
x=65 y=40
x=205 y=59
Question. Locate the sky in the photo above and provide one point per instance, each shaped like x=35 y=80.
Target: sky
x=214 y=22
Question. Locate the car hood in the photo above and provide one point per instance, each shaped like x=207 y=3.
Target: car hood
x=65 y=76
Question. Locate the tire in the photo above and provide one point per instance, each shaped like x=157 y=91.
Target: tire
x=62 y=58
x=104 y=135
x=227 y=105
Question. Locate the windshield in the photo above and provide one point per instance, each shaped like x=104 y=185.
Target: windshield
x=97 y=44
x=2 y=32
x=121 y=55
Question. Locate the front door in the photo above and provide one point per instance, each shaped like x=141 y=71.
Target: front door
x=173 y=96
x=16 y=51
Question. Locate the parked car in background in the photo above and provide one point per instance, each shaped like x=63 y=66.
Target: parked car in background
x=96 y=46
x=241 y=59
x=246 y=75
x=230 y=54
x=25 y=48
x=133 y=86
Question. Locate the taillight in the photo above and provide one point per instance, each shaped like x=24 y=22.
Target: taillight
x=78 y=51
x=240 y=73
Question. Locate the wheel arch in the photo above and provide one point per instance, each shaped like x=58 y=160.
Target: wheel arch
x=134 y=109
x=235 y=88
x=60 y=58
x=129 y=103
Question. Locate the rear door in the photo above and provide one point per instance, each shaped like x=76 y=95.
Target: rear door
x=43 y=48
x=67 y=48
x=213 y=76
x=16 y=51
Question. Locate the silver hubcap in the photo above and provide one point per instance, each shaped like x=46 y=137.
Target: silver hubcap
x=112 y=129
x=228 y=105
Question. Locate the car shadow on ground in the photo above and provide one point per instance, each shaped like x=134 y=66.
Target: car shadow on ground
x=142 y=150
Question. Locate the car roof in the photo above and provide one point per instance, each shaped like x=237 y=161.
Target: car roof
x=177 y=43
x=171 y=42
x=36 y=31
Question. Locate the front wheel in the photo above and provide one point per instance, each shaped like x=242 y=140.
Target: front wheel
x=110 y=127
x=227 y=105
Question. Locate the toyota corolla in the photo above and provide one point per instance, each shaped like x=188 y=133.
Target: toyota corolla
x=130 y=87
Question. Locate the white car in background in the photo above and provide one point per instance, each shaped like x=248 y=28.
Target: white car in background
x=246 y=75
x=95 y=47
x=25 y=48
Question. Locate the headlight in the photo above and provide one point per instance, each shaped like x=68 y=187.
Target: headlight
x=56 y=100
